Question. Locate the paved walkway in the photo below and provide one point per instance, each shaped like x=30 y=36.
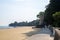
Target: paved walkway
x=44 y=34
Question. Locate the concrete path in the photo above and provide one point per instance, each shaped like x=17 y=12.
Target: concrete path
x=44 y=34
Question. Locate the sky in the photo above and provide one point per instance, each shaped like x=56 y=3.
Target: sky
x=20 y=10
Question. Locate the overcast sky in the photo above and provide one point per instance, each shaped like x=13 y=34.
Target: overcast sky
x=20 y=10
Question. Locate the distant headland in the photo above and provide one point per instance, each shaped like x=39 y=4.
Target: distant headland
x=32 y=23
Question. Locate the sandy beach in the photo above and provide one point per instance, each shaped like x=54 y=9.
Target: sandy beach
x=15 y=33
x=25 y=33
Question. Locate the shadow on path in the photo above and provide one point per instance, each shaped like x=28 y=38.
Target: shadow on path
x=38 y=31
x=42 y=34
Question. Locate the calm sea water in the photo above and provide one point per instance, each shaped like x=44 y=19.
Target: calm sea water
x=5 y=27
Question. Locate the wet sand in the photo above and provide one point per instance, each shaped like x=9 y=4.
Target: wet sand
x=15 y=33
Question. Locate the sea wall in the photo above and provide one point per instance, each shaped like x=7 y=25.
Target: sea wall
x=57 y=34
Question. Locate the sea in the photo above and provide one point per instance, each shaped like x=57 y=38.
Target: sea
x=5 y=27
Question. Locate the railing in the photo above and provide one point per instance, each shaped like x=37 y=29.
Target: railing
x=57 y=35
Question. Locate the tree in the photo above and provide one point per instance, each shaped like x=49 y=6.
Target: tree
x=52 y=7
x=40 y=14
x=56 y=17
x=41 y=19
x=13 y=24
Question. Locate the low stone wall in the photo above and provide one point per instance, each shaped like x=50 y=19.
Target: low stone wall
x=57 y=35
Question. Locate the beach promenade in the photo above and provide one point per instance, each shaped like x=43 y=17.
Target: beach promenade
x=44 y=34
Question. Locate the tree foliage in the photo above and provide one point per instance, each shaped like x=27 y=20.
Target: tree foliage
x=52 y=7
x=40 y=14
x=56 y=17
